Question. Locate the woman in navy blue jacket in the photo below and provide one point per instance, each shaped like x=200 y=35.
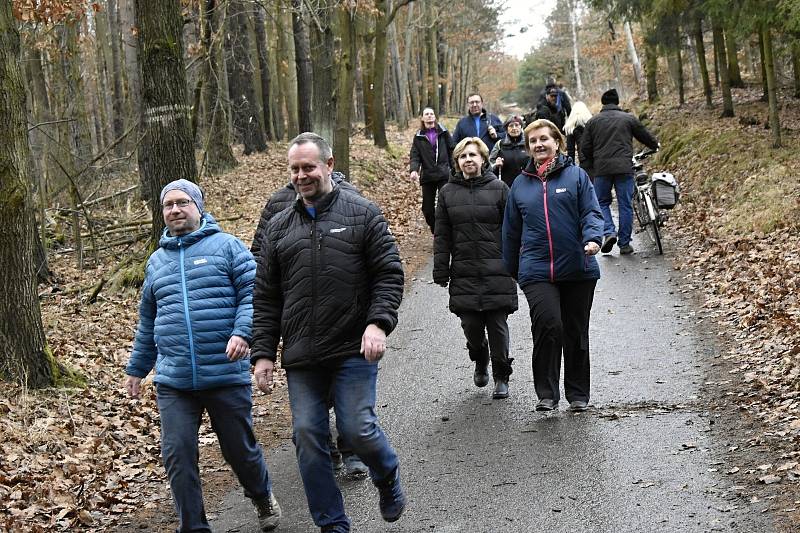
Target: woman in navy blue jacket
x=552 y=229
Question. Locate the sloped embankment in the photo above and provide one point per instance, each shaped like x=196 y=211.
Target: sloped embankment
x=736 y=240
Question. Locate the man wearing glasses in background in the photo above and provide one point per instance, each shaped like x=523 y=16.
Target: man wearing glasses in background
x=479 y=123
x=195 y=327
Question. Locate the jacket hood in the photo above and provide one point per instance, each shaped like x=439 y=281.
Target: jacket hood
x=208 y=226
x=561 y=162
x=486 y=177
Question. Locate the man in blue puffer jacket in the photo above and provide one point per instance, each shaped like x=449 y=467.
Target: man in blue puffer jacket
x=195 y=326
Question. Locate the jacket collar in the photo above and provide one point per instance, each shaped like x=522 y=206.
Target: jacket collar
x=486 y=177
x=323 y=204
x=561 y=162
x=611 y=107
x=439 y=130
x=208 y=226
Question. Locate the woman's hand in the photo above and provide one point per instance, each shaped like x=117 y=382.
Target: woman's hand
x=414 y=176
x=591 y=248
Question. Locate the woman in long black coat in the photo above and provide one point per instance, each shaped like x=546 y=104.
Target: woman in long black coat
x=431 y=161
x=468 y=255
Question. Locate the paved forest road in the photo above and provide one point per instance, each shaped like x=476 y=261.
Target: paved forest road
x=642 y=459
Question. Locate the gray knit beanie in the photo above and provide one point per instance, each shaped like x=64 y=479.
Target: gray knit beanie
x=189 y=188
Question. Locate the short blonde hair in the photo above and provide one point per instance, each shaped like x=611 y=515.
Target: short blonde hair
x=554 y=132
x=462 y=145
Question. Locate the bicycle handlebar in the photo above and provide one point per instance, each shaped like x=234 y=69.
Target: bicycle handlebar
x=645 y=153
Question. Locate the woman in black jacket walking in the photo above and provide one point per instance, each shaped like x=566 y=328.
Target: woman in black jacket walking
x=468 y=255
x=509 y=155
x=431 y=161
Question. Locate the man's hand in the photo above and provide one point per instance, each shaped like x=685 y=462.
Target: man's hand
x=237 y=348
x=591 y=248
x=373 y=343
x=263 y=374
x=134 y=386
x=414 y=176
x=498 y=162
x=492 y=132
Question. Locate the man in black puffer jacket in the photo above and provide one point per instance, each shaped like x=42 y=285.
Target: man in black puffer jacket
x=330 y=283
x=280 y=200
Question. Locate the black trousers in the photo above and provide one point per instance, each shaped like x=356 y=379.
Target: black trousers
x=429 y=192
x=476 y=326
x=560 y=324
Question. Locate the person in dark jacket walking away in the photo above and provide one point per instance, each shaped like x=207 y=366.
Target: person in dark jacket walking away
x=195 y=325
x=329 y=283
x=431 y=162
x=479 y=123
x=509 y=156
x=467 y=254
x=551 y=231
x=606 y=151
x=574 y=127
x=551 y=110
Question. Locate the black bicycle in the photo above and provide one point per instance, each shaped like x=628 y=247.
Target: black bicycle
x=653 y=194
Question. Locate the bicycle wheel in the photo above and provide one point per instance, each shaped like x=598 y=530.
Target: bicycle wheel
x=639 y=209
x=652 y=224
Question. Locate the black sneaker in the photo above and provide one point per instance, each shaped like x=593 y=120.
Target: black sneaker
x=625 y=249
x=608 y=243
x=269 y=512
x=392 y=501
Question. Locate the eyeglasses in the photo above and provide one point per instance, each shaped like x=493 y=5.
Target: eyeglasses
x=167 y=206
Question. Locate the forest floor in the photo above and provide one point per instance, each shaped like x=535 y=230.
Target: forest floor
x=89 y=458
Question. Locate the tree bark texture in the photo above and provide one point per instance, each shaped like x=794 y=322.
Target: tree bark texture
x=241 y=81
x=733 y=58
x=326 y=98
x=166 y=152
x=217 y=146
x=24 y=355
x=130 y=49
x=400 y=75
x=302 y=60
x=796 y=67
x=637 y=66
x=379 y=75
x=724 y=78
x=346 y=83
x=433 y=60
x=697 y=33
x=762 y=52
x=115 y=73
x=651 y=67
x=262 y=50
x=769 y=60
x=679 y=66
x=288 y=76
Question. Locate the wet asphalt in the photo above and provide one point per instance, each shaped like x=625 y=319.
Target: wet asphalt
x=643 y=458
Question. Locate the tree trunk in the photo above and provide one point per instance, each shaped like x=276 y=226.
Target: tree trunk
x=167 y=147
x=366 y=56
x=679 y=66
x=433 y=62
x=241 y=81
x=262 y=50
x=278 y=113
x=80 y=140
x=724 y=78
x=576 y=52
x=131 y=71
x=612 y=37
x=701 y=57
x=379 y=76
x=733 y=59
x=651 y=66
x=692 y=58
x=409 y=68
x=24 y=355
x=302 y=58
x=218 y=156
x=288 y=76
x=400 y=75
x=796 y=67
x=324 y=66
x=103 y=112
x=763 y=54
x=117 y=98
x=346 y=79
x=769 y=60
x=637 y=66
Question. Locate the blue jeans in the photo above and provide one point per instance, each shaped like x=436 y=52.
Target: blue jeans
x=230 y=411
x=623 y=185
x=353 y=382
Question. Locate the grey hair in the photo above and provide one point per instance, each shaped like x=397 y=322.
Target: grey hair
x=325 y=150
